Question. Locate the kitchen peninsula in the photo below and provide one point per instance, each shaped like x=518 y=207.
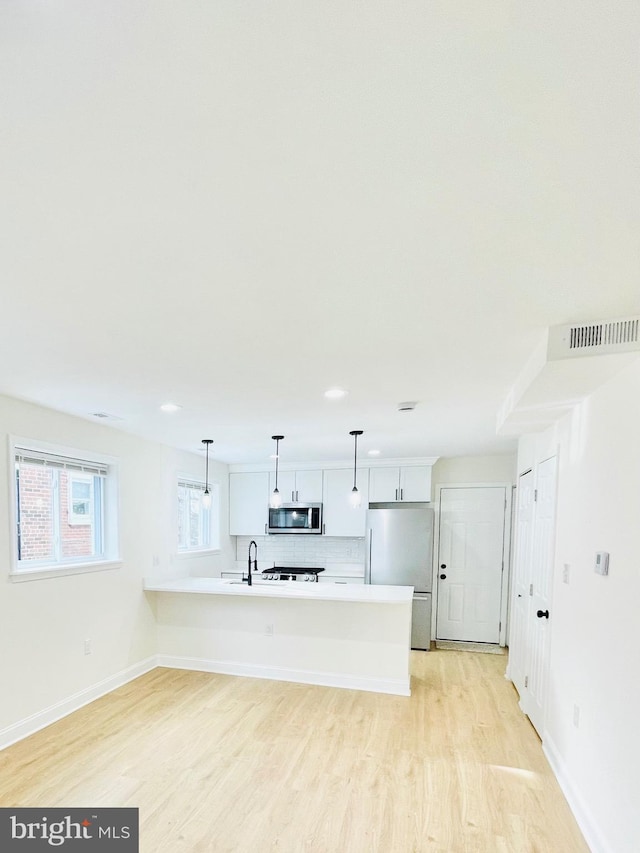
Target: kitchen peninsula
x=338 y=635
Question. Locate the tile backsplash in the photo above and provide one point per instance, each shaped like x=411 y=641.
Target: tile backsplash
x=338 y=555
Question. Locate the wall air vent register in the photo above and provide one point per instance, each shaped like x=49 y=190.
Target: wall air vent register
x=586 y=339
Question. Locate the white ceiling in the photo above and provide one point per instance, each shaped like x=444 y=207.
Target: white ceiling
x=234 y=206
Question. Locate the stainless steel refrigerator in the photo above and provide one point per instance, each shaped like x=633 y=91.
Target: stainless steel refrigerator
x=399 y=552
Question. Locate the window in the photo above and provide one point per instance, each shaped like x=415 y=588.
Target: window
x=197 y=524
x=81 y=499
x=64 y=511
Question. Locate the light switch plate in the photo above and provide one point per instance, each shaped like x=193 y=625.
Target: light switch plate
x=602 y=563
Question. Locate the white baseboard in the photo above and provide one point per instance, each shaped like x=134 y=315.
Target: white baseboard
x=30 y=725
x=590 y=830
x=41 y=719
x=395 y=686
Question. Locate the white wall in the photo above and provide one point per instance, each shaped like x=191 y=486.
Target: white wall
x=474 y=469
x=43 y=623
x=594 y=639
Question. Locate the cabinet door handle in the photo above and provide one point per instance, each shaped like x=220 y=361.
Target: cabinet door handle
x=542 y=613
x=265 y=527
x=401 y=494
x=396 y=494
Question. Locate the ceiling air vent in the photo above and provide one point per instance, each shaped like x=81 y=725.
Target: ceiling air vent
x=583 y=339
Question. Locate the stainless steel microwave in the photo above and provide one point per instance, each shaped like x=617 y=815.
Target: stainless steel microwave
x=296 y=518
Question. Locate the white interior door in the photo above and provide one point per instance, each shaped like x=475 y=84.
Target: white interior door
x=470 y=563
x=518 y=626
x=540 y=599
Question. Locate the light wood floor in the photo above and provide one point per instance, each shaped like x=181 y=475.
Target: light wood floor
x=235 y=765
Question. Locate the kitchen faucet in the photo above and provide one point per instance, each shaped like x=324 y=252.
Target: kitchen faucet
x=255 y=560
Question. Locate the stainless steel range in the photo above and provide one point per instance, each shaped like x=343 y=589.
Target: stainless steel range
x=292 y=573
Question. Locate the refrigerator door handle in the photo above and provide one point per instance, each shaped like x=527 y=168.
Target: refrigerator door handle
x=367 y=566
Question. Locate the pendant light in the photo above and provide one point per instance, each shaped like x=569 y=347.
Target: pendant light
x=356 y=497
x=206 y=497
x=276 y=497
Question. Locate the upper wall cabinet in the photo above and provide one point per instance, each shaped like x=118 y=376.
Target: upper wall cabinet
x=410 y=483
x=340 y=518
x=298 y=486
x=248 y=503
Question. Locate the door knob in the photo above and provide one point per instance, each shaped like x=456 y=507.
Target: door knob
x=443 y=577
x=542 y=613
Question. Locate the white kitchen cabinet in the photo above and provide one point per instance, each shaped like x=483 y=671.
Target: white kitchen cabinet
x=384 y=484
x=410 y=483
x=298 y=486
x=339 y=517
x=248 y=503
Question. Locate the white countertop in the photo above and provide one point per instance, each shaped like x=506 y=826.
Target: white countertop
x=363 y=593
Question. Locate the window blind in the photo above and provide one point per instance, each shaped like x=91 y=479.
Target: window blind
x=26 y=456
x=191 y=484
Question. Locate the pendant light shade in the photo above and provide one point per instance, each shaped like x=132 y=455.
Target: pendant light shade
x=206 y=497
x=276 y=497
x=355 y=498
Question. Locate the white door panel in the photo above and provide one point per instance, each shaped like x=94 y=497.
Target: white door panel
x=470 y=563
x=541 y=577
x=455 y=604
x=520 y=607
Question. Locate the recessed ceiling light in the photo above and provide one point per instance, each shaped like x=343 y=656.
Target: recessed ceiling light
x=170 y=407
x=373 y=452
x=335 y=393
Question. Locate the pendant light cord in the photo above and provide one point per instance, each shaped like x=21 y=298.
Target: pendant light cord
x=355 y=458
x=277 y=439
x=355 y=433
x=206 y=442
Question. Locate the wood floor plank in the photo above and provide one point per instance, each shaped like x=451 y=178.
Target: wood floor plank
x=219 y=764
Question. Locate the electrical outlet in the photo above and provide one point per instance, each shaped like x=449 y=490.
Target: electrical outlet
x=268 y=630
x=565 y=573
x=602 y=563
x=576 y=716
x=87 y=647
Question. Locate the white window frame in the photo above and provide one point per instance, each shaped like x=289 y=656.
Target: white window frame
x=74 y=517
x=213 y=546
x=46 y=568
